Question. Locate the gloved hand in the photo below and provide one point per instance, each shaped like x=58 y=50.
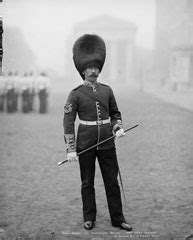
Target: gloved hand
x=120 y=133
x=72 y=157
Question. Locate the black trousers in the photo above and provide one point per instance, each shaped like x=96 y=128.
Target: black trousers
x=109 y=168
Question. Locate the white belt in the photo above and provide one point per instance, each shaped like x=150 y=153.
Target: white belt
x=93 y=123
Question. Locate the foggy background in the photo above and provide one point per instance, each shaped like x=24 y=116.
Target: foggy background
x=38 y=34
x=149 y=65
x=148 y=45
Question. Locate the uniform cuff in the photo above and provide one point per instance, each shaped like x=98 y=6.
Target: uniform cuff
x=70 y=142
x=118 y=125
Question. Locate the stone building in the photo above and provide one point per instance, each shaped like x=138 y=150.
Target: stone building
x=174 y=43
x=119 y=36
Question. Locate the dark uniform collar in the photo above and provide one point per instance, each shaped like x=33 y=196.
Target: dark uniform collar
x=89 y=84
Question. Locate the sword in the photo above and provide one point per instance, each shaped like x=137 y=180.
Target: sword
x=96 y=145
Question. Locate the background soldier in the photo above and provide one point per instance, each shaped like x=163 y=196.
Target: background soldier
x=99 y=116
x=16 y=89
x=32 y=91
x=10 y=93
x=43 y=92
x=2 y=92
x=25 y=94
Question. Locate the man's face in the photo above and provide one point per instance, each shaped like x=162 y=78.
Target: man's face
x=91 y=74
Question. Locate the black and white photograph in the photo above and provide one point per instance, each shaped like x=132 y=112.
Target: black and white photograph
x=96 y=119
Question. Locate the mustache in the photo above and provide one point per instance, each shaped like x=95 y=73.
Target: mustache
x=93 y=75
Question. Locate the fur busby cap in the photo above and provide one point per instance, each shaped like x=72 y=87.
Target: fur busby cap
x=89 y=51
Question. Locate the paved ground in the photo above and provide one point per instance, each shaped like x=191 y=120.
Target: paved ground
x=39 y=200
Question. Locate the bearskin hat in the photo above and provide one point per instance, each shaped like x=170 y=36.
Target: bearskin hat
x=89 y=51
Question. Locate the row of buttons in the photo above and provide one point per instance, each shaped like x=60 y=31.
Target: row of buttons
x=97 y=106
x=98 y=110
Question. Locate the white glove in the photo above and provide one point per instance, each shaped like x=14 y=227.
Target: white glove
x=120 y=133
x=72 y=157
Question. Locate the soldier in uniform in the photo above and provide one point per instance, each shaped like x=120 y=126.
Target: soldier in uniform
x=16 y=87
x=43 y=92
x=32 y=91
x=10 y=94
x=25 y=94
x=99 y=119
x=2 y=92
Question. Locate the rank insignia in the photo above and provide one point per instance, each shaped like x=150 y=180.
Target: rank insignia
x=68 y=108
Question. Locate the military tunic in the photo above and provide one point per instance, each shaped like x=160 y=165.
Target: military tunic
x=95 y=104
x=91 y=103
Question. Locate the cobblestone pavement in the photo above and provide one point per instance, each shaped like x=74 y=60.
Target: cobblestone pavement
x=39 y=200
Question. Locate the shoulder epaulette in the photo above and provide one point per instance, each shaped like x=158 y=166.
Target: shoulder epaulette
x=104 y=84
x=77 y=87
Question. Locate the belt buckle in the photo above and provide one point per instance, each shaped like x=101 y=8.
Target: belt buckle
x=99 y=122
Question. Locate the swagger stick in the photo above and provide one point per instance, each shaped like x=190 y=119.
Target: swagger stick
x=96 y=145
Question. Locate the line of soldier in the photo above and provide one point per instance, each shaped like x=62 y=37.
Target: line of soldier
x=24 y=88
